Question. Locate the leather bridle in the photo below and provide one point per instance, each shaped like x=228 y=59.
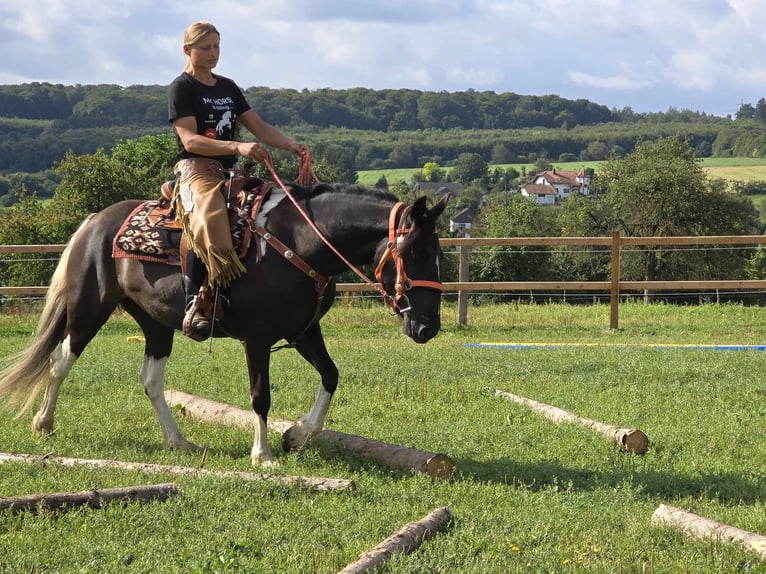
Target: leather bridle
x=396 y=234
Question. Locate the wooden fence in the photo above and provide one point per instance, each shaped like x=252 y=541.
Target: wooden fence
x=463 y=286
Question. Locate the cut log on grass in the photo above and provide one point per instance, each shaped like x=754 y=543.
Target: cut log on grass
x=91 y=498
x=696 y=526
x=307 y=482
x=405 y=458
x=404 y=541
x=632 y=440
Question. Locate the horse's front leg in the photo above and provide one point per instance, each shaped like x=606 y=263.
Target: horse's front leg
x=258 y=357
x=312 y=348
x=159 y=344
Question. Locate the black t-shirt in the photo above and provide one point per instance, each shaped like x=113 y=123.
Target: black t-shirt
x=214 y=107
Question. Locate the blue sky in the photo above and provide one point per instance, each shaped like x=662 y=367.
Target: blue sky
x=649 y=55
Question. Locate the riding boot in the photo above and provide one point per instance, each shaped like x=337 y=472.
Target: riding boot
x=195 y=324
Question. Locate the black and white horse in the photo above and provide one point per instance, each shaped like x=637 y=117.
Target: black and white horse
x=275 y=299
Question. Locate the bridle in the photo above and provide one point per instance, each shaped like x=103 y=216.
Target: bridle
x=396 y=234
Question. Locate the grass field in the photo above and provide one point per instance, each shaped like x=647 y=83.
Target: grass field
x=736 y=168
x=528 y=496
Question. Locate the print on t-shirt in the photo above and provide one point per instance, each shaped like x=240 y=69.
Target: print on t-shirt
x=222 y=117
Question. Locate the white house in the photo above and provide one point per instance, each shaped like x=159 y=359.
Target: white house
x=563 y=184
x=544 y=194
x=462 y=222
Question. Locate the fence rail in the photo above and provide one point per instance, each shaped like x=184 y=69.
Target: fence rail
x=463 y=286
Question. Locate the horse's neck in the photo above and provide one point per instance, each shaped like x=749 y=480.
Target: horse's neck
x=357 y=232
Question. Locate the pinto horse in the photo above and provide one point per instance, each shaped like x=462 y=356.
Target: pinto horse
x=286 y=290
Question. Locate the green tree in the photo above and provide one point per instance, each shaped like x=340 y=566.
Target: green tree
x=469 y=167
x=660 y=190
x=24 y=224
x=511 y=215
x=432 y=172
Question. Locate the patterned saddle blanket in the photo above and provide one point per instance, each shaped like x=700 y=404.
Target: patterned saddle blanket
x=150 y=232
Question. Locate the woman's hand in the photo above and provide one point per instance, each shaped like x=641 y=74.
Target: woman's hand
x=253 y=150
x=297 y=148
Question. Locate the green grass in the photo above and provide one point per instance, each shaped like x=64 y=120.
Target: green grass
x=528 y=496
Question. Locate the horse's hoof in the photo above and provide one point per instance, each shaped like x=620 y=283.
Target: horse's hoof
x=264 y=460
x=290 y=440
x=295 y=438
x=187 y=446
x=42 y=427
x=265 y=463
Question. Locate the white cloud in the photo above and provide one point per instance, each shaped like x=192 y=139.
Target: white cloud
x=607 y=82
x=616 y=52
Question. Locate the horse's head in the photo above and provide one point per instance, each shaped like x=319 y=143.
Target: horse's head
x=409 y=268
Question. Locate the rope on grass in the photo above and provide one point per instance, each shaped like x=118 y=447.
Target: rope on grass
x=308 y=482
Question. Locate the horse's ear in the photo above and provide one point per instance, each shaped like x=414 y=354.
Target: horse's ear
x=420 y=213
x=437 y=209
x=419 y=210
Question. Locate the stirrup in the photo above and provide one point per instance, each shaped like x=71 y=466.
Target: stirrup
x=195 y=325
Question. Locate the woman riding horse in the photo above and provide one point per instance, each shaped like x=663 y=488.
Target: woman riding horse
x=204 y=109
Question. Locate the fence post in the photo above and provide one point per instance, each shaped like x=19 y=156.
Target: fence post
x=614 y=293
x=464 y=276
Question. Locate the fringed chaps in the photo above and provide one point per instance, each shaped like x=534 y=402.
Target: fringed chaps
x=201 y=209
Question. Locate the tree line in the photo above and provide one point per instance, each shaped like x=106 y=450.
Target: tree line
x=657 y=189
x=361 y=128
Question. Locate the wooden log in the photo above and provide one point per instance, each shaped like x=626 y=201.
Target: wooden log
x=433 y=464
x=696 y=526
x=307 y=482
x=90 y=498
x=404 y=541
x=632 y=440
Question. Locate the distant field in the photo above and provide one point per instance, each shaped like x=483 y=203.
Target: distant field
x=736 y=168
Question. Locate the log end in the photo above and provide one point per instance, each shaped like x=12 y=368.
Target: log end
x=635 y=441
x=440 y=466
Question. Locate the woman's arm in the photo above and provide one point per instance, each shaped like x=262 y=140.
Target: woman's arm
x=268 y=134
x=186 y=128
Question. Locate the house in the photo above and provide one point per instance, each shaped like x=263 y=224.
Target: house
x=544 y=194
x=439 y=187
x=462 y=222
x=565 y=183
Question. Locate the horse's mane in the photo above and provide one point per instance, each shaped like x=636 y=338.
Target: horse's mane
x=347 y=188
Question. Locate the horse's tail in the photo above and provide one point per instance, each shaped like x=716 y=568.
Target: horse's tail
x=29 y=370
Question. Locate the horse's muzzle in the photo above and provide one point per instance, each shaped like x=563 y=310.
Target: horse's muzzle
x=419 y=329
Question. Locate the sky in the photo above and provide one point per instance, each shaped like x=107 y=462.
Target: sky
x=648 y=55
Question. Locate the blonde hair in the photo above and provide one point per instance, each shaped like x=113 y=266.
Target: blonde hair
x=197 y=31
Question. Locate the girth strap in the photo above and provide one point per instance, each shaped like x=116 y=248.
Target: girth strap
x=320 y=281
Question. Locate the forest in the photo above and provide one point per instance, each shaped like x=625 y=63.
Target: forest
x=362 y=129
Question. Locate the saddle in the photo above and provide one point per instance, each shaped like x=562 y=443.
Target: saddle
x=151 y=232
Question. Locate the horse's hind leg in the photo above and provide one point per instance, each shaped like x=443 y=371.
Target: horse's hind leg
x=61 y=360
x=82 y=326
x=312 y=348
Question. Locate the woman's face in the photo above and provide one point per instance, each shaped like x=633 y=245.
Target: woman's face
x=205 y=51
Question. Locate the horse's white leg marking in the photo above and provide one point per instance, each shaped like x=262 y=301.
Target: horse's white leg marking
x=153 y=378
x=310 y=424
x=61 y=360
x=261 y=454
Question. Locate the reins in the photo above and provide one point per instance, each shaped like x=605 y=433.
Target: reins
x=305 y=176
x=397 y=230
